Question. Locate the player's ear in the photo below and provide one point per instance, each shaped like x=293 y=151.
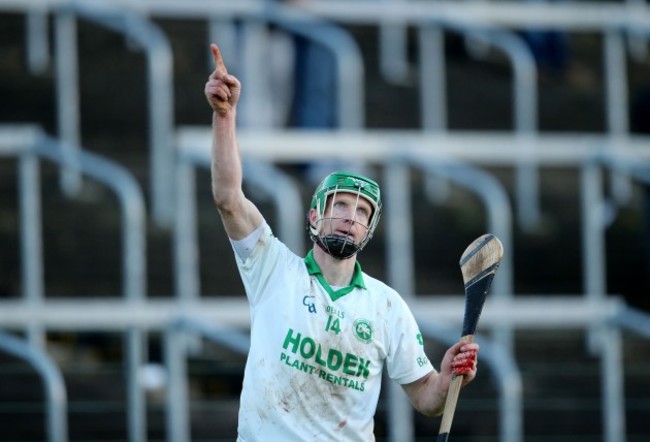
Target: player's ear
x=313 y=216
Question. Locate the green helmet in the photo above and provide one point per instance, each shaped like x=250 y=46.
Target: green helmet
x=356 y=184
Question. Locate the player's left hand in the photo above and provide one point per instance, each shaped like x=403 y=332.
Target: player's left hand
x=460 y=359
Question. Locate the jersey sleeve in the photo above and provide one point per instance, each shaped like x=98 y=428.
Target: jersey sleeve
x=262 y=264
x=406 y=361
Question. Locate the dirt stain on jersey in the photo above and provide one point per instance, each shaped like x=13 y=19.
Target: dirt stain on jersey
x=284 y=404
x=262 y=414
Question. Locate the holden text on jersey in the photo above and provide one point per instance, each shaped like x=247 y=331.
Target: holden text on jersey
x=337 y=363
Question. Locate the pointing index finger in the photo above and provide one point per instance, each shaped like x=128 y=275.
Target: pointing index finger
x=218 y=60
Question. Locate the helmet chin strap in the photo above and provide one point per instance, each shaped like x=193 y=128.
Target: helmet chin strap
x=337 y=246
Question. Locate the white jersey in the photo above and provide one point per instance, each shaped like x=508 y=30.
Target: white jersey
x=315 y=364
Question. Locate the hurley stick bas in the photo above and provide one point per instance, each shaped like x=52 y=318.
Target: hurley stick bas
x=478 y=264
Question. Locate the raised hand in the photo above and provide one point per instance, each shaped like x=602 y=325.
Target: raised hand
x=222 y=90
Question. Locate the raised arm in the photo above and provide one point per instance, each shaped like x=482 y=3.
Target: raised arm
x=239 y=215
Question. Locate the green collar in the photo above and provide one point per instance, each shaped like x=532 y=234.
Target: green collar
x=314 y=269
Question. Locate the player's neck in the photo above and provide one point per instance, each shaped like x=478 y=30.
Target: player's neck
x=337 y=272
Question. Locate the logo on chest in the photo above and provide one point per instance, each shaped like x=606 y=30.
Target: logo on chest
x=363 y=330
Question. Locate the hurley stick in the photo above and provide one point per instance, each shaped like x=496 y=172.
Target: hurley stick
x=478 y=264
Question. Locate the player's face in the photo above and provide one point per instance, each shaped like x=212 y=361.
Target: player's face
x=347 y=214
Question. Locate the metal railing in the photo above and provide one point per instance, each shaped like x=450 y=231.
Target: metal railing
x=178 y=424
x=434 y=98
x=597 y=214
x=30 y=143
x=53 y=384
x=613 y=20
x=160 y=91
x=133 y=23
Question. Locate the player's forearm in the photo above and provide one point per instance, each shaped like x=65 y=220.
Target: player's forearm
x=226 y=161
x=433 y=398
x=428 y=394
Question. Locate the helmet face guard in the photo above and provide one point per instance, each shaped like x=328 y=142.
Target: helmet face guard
x=336 y=245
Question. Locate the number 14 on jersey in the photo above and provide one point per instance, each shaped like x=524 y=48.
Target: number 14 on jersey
x=333 y=325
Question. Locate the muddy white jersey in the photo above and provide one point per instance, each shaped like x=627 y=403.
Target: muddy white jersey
x=314 y=369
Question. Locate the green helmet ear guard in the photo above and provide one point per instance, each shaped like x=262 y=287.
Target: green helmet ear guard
x=356 y=184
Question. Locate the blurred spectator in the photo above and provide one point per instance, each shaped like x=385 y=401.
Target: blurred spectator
x=550 y=48
x=314 y=102
x=314 y=95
